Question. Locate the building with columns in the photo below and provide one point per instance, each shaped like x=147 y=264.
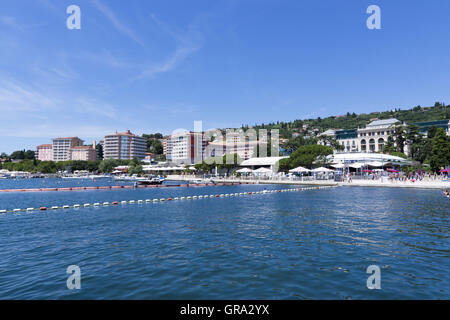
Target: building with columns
x=375 y=135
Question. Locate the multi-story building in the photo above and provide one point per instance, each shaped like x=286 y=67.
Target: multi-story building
x=124 y=145
x=186 y=147
x=62 y=147
x=235 y=142
x=44 y=152
x=84 y=153
x=374 y=136
x=167 y=146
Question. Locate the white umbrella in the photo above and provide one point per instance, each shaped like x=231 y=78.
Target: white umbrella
x=321 y=169
x=299 y=170
x=356 y=165
x=244 y=170
x=192 y=168
x=262 y=170
x=338 y=165
x=375 y=164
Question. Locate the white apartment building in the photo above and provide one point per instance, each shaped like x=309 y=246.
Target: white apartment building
x=62 y=147
x=186 y=147
x=124 y=145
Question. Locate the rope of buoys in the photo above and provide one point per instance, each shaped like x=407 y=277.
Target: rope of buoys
x=123 y=187
x=115 y=203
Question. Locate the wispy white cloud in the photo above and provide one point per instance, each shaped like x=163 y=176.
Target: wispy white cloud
x=121 y=27
x=186 y=44
x=19 y=97
x=94 y=107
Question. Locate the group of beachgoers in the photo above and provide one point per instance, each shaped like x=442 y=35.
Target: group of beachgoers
x=403 y=177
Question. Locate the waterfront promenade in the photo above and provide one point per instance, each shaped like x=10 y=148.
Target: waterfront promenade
x=426 y=184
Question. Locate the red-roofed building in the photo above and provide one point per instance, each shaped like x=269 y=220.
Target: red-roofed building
x=44 y=152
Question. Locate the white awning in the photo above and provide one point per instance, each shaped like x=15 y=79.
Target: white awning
x=299 y=170
x=244 y=170
x=356 y=165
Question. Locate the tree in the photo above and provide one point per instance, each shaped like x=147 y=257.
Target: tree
x=440 y=152
x=415 y=142
x=399 y=138
x=107 y=166
x=306 y=156
x=99 y=149
x=230 y=161
x=22 y=155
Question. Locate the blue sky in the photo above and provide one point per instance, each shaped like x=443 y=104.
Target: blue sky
x=155 y=66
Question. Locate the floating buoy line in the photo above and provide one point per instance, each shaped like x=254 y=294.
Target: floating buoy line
x=194 y=197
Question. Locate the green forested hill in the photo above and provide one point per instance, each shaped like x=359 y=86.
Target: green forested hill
x=351 y=121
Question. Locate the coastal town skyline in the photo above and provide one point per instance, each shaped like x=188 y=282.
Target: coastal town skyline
x=155 y=71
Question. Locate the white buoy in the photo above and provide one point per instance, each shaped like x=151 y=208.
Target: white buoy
x=106 y=203
x=131 y=201
x=16 y=210
x=3 y=211
x=96 y=204
x=54 y=207
x=30 y=209
x=123 y=202
x=87 y=204
x=76 y=205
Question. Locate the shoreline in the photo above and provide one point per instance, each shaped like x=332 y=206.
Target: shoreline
x=355 y=183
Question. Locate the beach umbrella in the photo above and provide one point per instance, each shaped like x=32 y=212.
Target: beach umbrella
x=244 y=170
x=322 y=169
x=392 y=170
x=299 y=170
x=445 y=170
x=356 y=165
x=262 y=170
x=366 y=170
x=375 y=164
x=338 y=165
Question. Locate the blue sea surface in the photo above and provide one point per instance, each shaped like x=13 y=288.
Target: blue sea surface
x=314 y=244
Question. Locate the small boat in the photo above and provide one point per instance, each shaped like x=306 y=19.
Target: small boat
x=151 y=181
x=200 y=181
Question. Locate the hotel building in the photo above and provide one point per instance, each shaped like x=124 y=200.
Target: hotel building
x=124 y=145
x=62 y=147
x=84 y=153
x=186 y=147
x=235 y=142
x=374 y=136
x=44 y=152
